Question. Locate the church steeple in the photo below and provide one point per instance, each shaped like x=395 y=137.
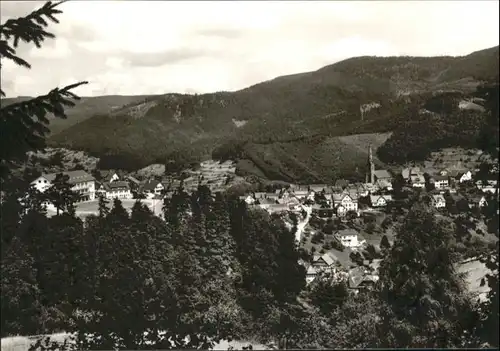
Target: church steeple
x=370 y=175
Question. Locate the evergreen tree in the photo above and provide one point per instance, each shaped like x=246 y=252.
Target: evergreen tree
x=489 y=308
x=384 y=243
x=118 y=216
x=103 y=208
x=428 y=306
x=61 y=195
x=20 y=292
x=10 y=217
x=24 y=124
x=328 y=295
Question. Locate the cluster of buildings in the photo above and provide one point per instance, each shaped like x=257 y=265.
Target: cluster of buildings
x=449 y=181
x=331 y=267
x=335 y=200
x=115 y=184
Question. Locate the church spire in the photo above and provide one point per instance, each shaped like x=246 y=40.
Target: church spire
x=370 y=175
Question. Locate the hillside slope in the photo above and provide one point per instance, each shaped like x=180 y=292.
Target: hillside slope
x=85 y=108
x=358 y=95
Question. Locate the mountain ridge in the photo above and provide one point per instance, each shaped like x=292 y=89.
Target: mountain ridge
x=325 y=103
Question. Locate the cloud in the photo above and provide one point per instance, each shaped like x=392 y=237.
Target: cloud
x=59 y=50
x=161 y=58
x=127 y=47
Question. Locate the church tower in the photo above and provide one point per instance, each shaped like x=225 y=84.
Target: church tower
x=370 y=175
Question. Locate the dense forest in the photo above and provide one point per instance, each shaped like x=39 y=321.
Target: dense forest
x=214 y=269
x=443 y=124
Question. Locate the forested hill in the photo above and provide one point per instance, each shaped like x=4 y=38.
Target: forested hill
x=284 y=118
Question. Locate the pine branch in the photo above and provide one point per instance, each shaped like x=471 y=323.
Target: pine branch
x=29 y=29
x=23 y=125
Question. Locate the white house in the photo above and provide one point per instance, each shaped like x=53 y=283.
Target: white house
x=82 y=183
x=441 y=181
x=417 y=180
x=248 y=199
x=349 y=238
x=380 y=200
x=464 y=176
x=118 y=190
x=153 y=188
x=344 y=202
x=109 y=176
x=479 y=201
x=438 y=201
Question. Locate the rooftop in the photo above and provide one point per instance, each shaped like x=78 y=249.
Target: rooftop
x=74 y=176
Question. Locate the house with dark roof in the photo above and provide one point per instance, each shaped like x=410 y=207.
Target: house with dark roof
x=380 y=200
x=438 y=201
x=441 y=181
x=116 y=190
x=325 y=263
x=344 y=202
x=152 y=188
x=109 y=175
x=361 y=279
x=82 y=183
x=133 y=182
x=382 y=174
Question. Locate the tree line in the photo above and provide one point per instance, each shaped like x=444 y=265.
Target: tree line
x=213 y=269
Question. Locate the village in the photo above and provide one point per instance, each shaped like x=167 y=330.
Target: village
x=334 y=221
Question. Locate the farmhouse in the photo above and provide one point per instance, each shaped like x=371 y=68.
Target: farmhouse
x=349 y=238
x=441 y=181
x=380 y=200
x=417 y=180
x=359 y=279
x=82 y=183
x=248 y=199
x=344 y=202
x=133 y=182
x=382 y=174
x=384 y=184
x=321 y=264
x=478 y=201
x=407 y=173
x=109 y=176
x=464 y=176
x=116 y=190
x=438 y=201
x=152 y=188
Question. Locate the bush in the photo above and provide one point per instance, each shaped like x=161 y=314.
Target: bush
x=370 y=228
x=337 y=246
x=318 y=237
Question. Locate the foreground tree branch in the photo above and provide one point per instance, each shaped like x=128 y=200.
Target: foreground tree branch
x=24 y=125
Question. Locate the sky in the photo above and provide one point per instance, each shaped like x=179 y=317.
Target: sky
x=142 y=47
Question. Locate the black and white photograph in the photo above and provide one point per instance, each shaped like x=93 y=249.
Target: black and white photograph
x=240 y=175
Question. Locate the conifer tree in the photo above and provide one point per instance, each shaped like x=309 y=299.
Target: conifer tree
x=102 y=206
x=490 y=308
x=24 y=125
x=20 y=292
x=61 y=195
x=426 y=295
